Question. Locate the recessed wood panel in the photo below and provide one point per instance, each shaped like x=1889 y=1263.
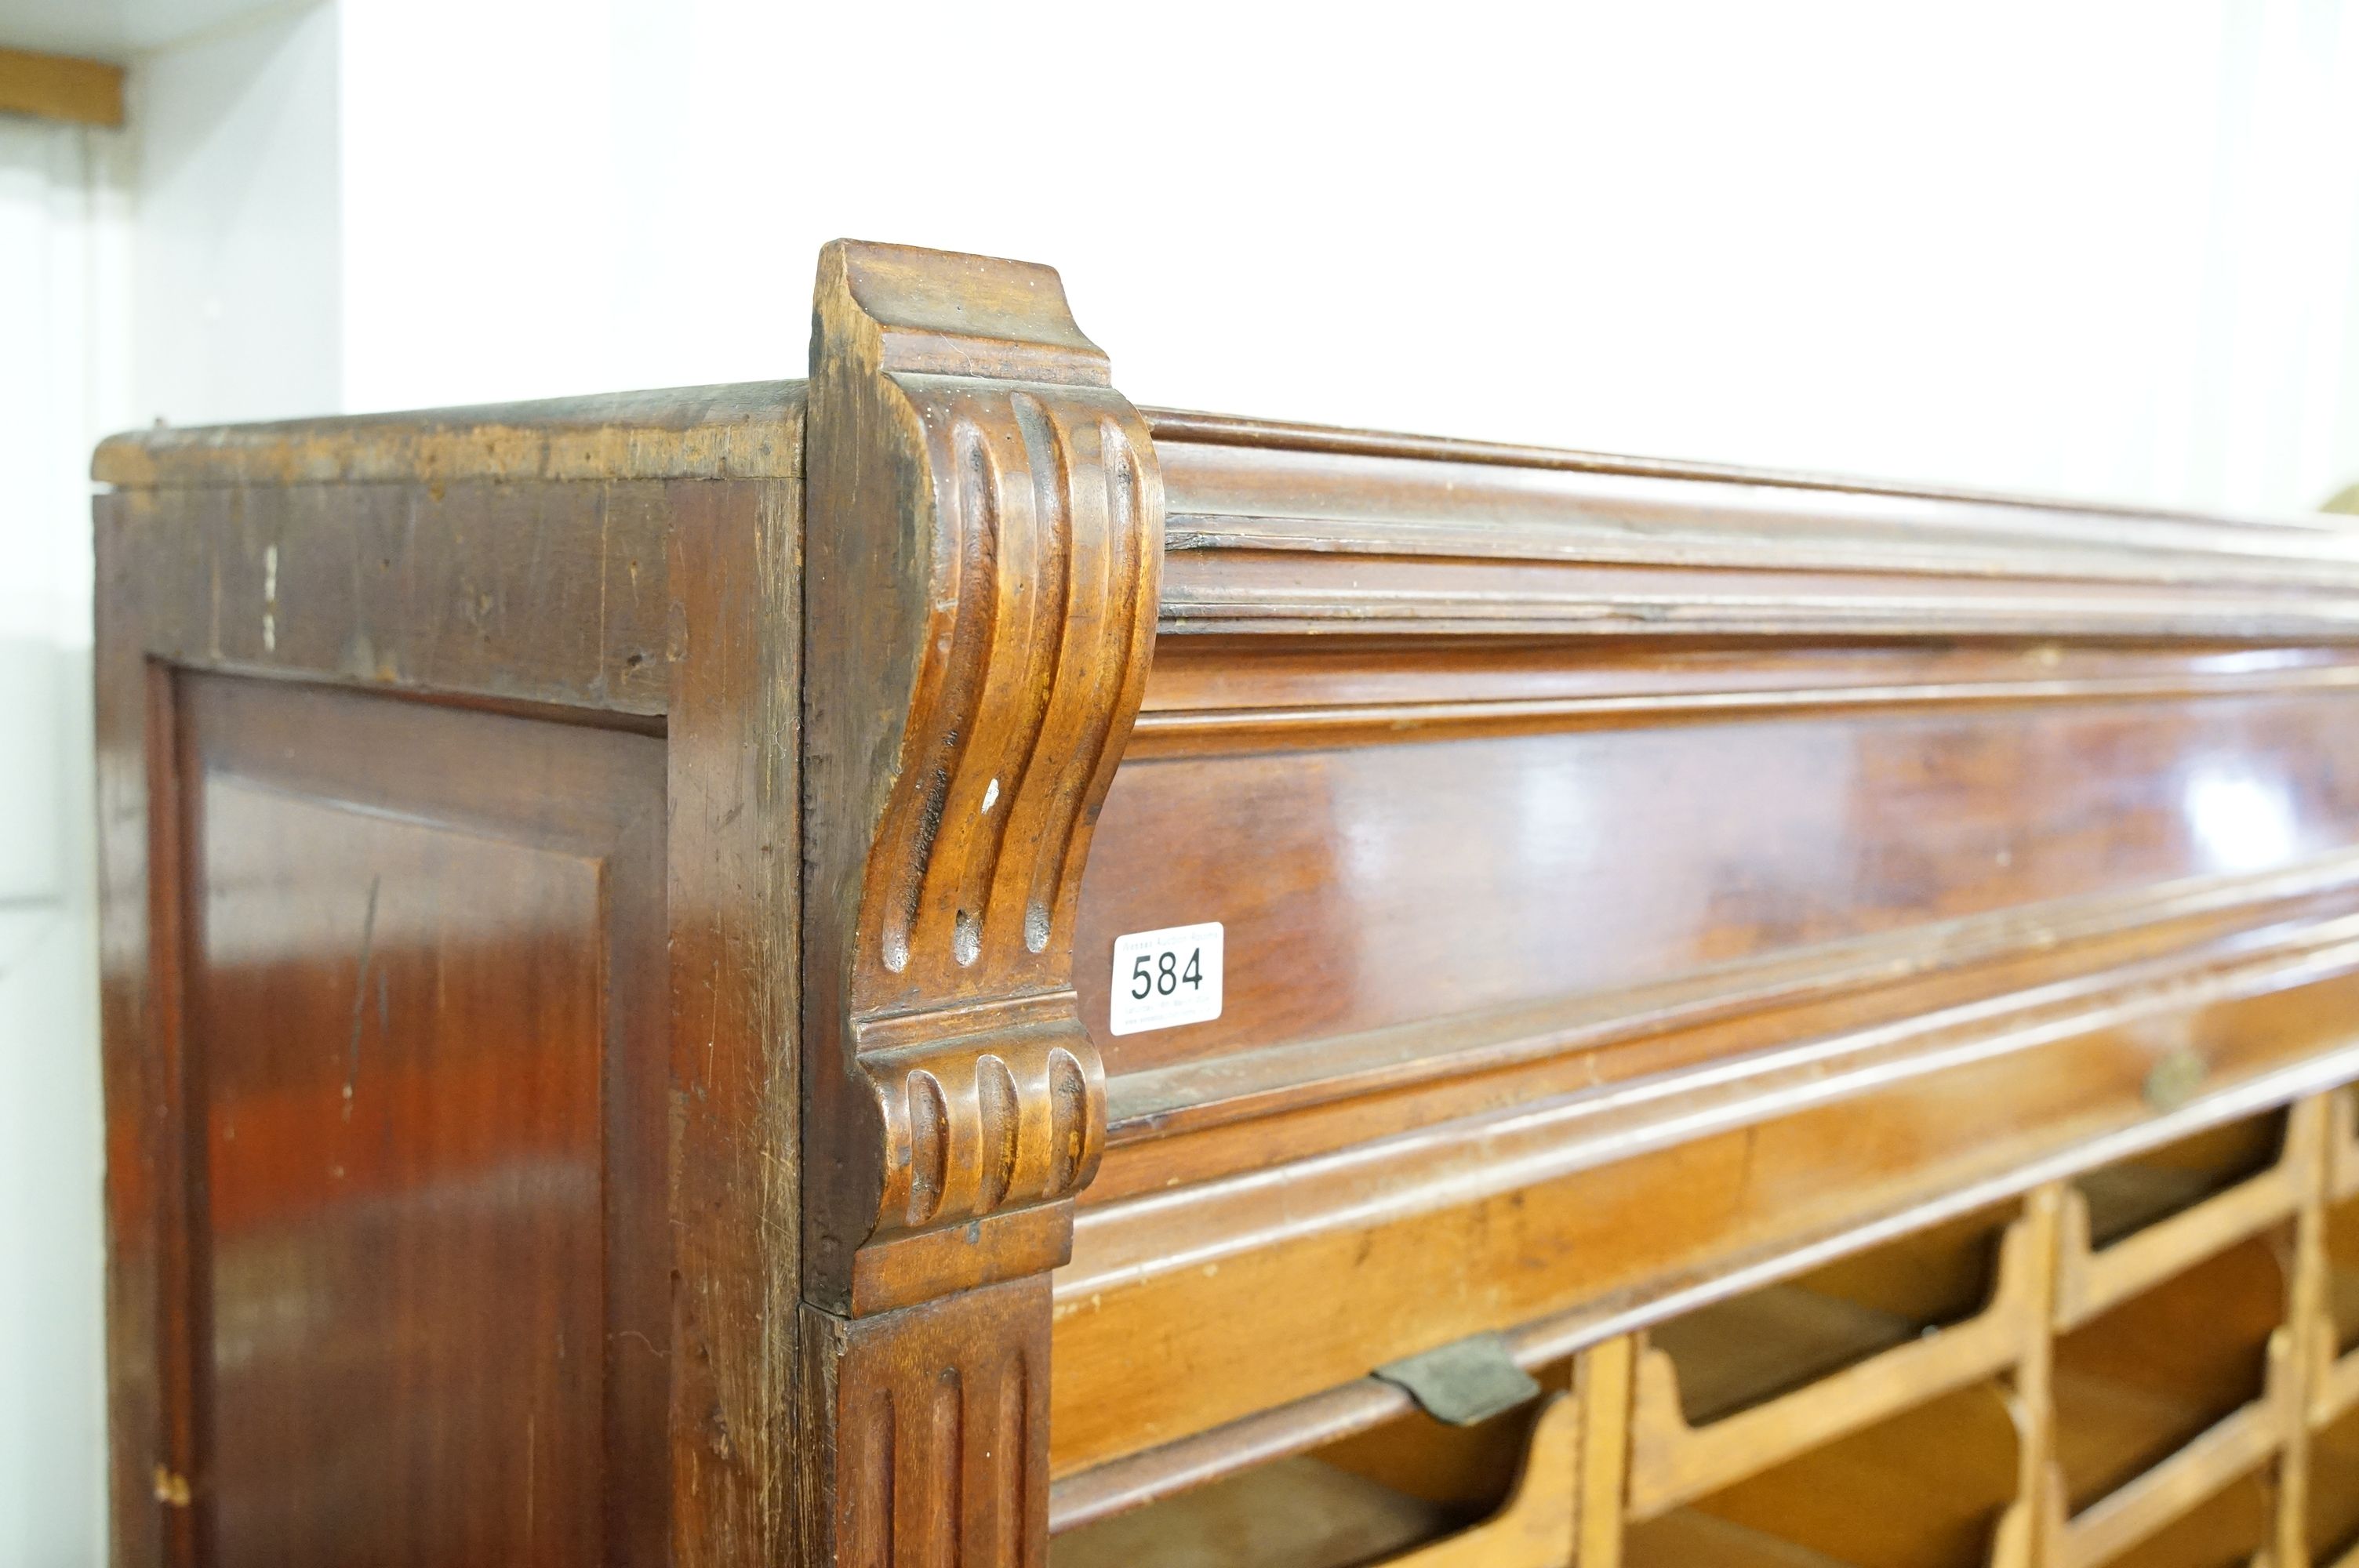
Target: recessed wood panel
x=425 y=1047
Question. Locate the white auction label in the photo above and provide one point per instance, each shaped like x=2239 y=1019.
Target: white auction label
x=1166 y=977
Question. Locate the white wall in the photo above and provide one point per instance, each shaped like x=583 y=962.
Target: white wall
x=239 y=275
x=63 y=240
x=187 y=268
x=2103 y=248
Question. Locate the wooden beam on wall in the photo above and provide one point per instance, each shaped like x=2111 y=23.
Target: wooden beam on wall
x=60 y=87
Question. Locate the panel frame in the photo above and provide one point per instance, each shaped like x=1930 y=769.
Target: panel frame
x=699 y=525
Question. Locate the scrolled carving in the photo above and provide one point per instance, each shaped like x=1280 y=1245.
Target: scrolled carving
x=1041 y=615
x=983 y=544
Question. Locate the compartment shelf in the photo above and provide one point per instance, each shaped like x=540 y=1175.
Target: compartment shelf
x=2230 y=1529
x=1736 y=1385
x=1932 y=1487
x=2169 y=1399
x=2331 y=1515
x=2128 y=1226
x=1402 y=1495
x=1535 y=1528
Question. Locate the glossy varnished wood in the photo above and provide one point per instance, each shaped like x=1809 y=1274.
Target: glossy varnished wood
x=621 y=573
x=433 y=1279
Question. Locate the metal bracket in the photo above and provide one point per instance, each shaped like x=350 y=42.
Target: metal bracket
x=1463 y=1382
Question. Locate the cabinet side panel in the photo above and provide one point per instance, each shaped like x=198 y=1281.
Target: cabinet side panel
x=425 y=1124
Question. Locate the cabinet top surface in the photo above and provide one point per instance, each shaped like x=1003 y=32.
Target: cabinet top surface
x=753 y=430
x=744 y=430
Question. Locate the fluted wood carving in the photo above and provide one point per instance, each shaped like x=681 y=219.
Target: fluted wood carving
x=934 y=1430
x=984 y=537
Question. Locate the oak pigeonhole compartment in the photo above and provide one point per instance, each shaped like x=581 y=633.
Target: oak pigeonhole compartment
x=2162 y=1184
x=1933 y=1487
x=2229 y=1529
x=1413 y=1492
x=2131 y=1224
x=2332 y=1525
x=2181 y=1376
x=1740 y=1383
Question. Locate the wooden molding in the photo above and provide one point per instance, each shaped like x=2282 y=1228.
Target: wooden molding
x=60 y=87
x=1349 y=537
x=984 y=540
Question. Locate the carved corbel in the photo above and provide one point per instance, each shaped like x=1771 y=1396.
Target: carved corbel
x=982 y=544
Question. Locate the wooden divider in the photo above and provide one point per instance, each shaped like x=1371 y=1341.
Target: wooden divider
x=2342 y=1144
x=2333 y=1345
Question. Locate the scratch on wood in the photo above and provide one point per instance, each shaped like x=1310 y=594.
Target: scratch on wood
x=360 y=995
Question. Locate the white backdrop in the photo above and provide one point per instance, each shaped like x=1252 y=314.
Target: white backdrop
x=2105 y=248
x=2110 y=248
x=63 y=270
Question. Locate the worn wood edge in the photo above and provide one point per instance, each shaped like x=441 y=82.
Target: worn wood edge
x=1186 y=427
x=752 y=430
x=300 y=580
x=741 y=430
x=1674 y=1462
x=731 y=804
x=60 y=87
x=1118 y=1485
x=1194 y=1097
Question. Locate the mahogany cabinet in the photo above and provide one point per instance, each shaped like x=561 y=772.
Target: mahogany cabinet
x=926 y=966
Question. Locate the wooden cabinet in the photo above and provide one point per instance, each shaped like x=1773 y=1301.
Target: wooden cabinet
x=1754 y=1019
